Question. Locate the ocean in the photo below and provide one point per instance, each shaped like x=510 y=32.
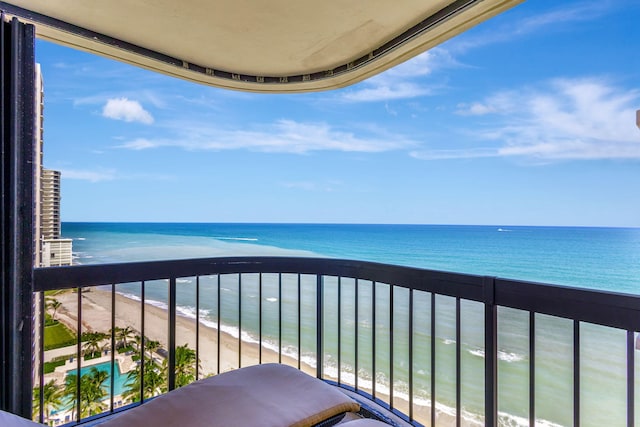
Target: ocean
x=597 y=258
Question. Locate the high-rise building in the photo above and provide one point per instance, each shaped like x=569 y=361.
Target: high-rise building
x=50 y=204
x=50 y=248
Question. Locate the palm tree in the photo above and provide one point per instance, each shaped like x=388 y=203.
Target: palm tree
x=70 y=391
x=54 y=305
x=185 y=365
x=155 y=380
x=151 y=345
x=92 y=342
x=123 y=335
x=51 y=399
x=92 y=392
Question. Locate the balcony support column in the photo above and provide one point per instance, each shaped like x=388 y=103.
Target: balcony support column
x=17 y=125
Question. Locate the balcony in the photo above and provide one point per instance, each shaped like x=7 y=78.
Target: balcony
x=480 y=350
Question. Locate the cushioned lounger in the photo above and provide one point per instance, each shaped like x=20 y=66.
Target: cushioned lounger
x=270 y=395
x=10 y=420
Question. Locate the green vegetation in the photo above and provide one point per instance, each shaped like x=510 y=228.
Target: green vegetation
x=92 y=388
x=49 y=367
x=92 y=346
x=53 y=305
x=185 y=365
x=52 y=399
x=58 y=335
x=126 y=349
x=155 y=375
x=92 y=392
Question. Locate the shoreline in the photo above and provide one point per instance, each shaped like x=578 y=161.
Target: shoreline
x=96 y=316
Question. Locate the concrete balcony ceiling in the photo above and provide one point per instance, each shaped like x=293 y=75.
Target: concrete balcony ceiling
x=256 y=45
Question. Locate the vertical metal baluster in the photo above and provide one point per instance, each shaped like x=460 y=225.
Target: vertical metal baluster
x=411 y=354
x=299 y=323
x=239 y=320
x=630 y=379
x=373 y=340
x=355 y=344
x=279 y=317
x=260 y=319
x=197 y=328
x=576 y=373
x=78 y=362
x=113 y=343
x=218 y=332
x=391 y=355
x=491 y=353
x=433 y=359
x=142 y=359
x=532 y=368
x=171 y=373
x=319 y=326
x=339 y=330
x=458 y=363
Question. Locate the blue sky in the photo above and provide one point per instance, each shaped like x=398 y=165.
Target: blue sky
x=527 y=119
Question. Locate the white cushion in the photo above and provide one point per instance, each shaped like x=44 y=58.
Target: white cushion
x=269 y=395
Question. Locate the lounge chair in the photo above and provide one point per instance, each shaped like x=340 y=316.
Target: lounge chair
x=269 y=395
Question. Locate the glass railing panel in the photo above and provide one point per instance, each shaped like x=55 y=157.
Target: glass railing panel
x=250 y=319
x=155 y=338
x=330 y=328
x=270 y=318
x=96 y=372
x=422 y=357
x=60 y=355
x=308 y=324
x=347 y=326
x=127 y=333
x=187 y=316
x=382 y=344
x=290 y=319
x=365 y=336
x=445 y=358
x=401 y=368
x=229 y=322
x=603 y=376
x=513 y=365
x=472 y=362
x=554 y=370
x=209 y=325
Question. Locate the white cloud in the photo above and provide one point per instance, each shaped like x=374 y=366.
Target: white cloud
x=285 y=136
x=127 y=110
x=563 y=119
x=89 y=175
x=104 y=174
x=402 y=81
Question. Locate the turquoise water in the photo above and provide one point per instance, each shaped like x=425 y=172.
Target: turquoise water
x=119 y=385
x=598 y=258
x=119 y=379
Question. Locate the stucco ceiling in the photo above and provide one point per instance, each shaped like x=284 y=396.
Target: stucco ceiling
x=257 y=45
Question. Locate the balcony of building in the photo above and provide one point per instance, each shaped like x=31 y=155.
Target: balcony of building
x=401 y=341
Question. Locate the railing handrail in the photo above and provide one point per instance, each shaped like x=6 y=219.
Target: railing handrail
x=595 y=306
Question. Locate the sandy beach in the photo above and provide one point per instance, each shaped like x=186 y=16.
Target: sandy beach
x=97 y=316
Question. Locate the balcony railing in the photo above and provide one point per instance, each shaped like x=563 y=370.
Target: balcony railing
x=429 y=346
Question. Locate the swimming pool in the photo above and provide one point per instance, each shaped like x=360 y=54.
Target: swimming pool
x=119 y=379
